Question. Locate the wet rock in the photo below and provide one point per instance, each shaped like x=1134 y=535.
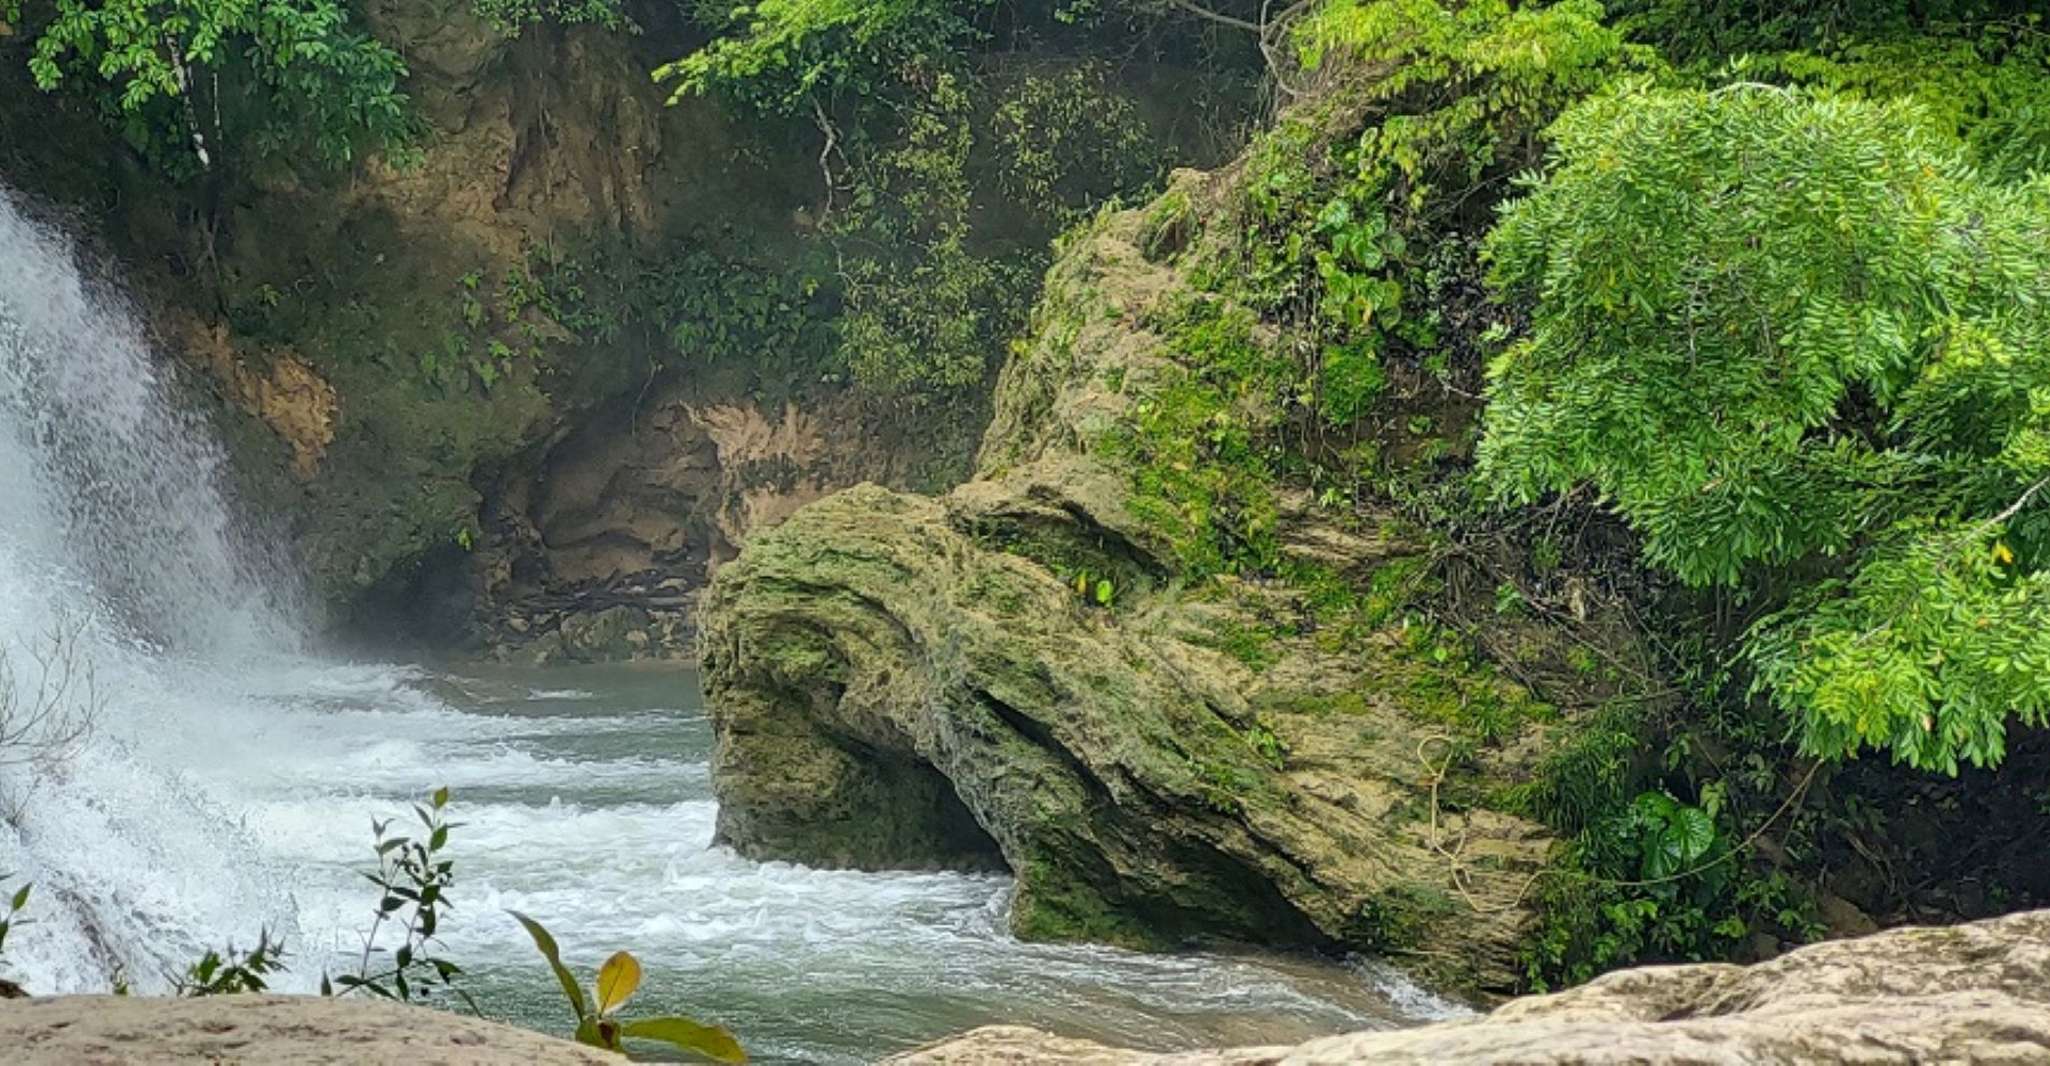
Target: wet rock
x=604 y=636
x=1977 y=993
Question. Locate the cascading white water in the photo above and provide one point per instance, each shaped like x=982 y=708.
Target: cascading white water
x=114 y=539
x=107 y=483
x=231 y=781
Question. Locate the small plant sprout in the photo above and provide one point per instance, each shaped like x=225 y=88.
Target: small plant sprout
x=15 y=905
x=412 y=880
x=233 y=973
x=1093 y=589
x=10 y=917
x=618 y=978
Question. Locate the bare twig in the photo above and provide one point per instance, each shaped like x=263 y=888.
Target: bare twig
x=44 y=725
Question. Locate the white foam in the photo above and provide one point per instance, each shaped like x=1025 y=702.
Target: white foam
x=231 y=785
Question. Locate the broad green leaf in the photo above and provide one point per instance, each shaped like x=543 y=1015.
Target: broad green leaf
x=1694 y=830
x=553 y=954
x=708 y=1040
x=617 y=980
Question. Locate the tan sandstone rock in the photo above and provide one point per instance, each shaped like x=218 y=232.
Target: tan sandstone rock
x=273 y=1030
x=1977 y=993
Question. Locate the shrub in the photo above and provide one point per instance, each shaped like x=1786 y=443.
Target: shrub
x=1803 y=347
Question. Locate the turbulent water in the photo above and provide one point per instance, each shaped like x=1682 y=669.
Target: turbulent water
x=231 y=779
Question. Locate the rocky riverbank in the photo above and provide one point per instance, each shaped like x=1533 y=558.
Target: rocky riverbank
x=1977 y=993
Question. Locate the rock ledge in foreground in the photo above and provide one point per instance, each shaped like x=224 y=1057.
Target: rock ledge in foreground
x=1977 y=993
x=273 y=1030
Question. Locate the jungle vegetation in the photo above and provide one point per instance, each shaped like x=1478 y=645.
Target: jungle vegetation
x=1767 y=284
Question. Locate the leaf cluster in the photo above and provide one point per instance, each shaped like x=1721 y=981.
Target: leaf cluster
x=296 y=73
x=598 y=1024
x=233 y=972
x=413 y=877
x=1784 y=331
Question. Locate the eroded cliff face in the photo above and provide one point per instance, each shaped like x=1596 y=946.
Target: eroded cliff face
x=1032 y=668
x=597 y=551
x=396 y=390
x=461 y=456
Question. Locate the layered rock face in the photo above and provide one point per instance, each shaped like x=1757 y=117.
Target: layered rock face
x=1975 y=993
x=1028 y=670
x=598 y=552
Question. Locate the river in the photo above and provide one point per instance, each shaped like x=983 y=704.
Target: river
x=234 y=769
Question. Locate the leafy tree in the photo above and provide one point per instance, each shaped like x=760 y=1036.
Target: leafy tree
x=911 y=127
x=511 y=17
x=1711 y=32
x=1801 y=344
x=1989 y=84
x=299 y=73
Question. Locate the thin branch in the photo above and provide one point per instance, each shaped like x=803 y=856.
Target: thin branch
x=1218 y=17
x=826 y=156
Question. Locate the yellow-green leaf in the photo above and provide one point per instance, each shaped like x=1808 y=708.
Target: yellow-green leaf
x=617 y=980
x=549 y=951
x=708 y=1040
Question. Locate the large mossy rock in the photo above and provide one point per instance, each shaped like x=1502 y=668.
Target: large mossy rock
x=1038 y=670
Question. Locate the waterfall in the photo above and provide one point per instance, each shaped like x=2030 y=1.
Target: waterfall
x=119 y=554
x=113 y=500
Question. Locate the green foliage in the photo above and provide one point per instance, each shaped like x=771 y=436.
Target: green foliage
x=1709 y=32
x=512 y=17
x=917 y=309
x=1669 y=837
x=1989 y=84
x=696 y=306
x=1062 y=143
x=1100 y=591
x=17 y=901
x=413 y=877
x=931 y=281
x=297 y=74
x=1756 y=379
x=1339 y=238
x=1656 y=881
x=785 y=55
x=1268 y=745
x=618 y=979
x=233 y=972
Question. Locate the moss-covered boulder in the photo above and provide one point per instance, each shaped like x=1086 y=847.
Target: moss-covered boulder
x=1050 y=667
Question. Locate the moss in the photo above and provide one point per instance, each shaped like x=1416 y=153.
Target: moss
x=1404 y=916
x=1196 y=444
x=1255 y=646
x=1053 y=903
x=1170 y=225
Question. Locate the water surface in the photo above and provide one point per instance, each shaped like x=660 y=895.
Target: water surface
x=232 y=780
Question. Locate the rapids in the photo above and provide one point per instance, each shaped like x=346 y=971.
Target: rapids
x=231 y=780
